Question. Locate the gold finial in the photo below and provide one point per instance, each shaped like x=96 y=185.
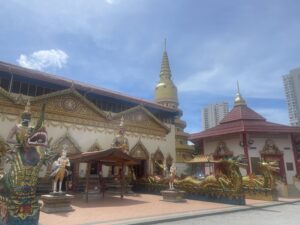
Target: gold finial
x=165 y=49
x=27 y=107
x=239 y=99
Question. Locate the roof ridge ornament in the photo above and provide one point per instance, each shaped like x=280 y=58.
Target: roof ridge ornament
x=239 y=100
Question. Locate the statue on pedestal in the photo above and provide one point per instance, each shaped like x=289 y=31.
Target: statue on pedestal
x=59 y=170
x=172 y=176
x=120 y=141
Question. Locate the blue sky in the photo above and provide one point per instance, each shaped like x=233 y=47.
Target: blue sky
x=118 y=44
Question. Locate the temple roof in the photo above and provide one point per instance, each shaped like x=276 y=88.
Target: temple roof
x=242 y=112
x=240 y=126
x=58 y=80
x=243 y=119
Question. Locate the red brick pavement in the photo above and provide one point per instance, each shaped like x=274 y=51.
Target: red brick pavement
x=111 y=209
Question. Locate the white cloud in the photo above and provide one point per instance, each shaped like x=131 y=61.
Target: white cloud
x=110 y=2
x=211 y=81
x=43 y=59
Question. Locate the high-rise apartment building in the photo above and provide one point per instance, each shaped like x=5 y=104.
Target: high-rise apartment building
x=292 y=93
x=213 y=114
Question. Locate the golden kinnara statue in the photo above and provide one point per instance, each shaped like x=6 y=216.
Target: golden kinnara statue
x=120 y=141
x=59 y=170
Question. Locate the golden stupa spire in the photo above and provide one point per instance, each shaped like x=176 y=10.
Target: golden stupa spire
x=166 y=91
x=238 y=98
x=165 y=71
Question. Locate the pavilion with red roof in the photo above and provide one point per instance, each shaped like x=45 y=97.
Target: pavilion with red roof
x=244 y=131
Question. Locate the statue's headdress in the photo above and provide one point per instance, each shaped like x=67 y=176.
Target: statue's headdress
x=26 y=115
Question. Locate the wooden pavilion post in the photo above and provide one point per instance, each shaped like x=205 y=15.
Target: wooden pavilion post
x=122 y=181
x=87 y=179
x=75 y=176
x=246 y=153
x=100 y=178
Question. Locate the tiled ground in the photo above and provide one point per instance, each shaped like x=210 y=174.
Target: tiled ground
x=111 y=209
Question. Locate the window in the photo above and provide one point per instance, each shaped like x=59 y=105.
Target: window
x=32 y=90
x=5 y=84
x=39 y=91
x=289 y=166
x=298 y=150
x=24 y=88
x=94 y=168
x=47 y=90
x=16 y=87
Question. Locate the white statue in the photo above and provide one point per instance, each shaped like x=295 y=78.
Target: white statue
x=59 y=170
x=172 y=176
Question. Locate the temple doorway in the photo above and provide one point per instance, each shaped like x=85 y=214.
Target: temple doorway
x=140 y=152
x=139 y=170
x=271 y=153
x=158 y=162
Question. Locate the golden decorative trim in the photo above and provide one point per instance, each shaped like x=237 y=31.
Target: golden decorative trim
x=139 y=151
x=270 y=148
x=72 y=147
x=222 y=150
x=95 y=147
x=141 y=121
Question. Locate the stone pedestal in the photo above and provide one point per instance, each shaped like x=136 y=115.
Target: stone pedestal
x=173 y=195
x=56 y=202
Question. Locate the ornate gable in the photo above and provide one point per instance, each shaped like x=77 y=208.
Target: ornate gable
x=158 y=155
x=270 y=148
x=222 y=151
x=140 y=120
x=96 y=147
x=169 y=160
x=68 y=143
x=139 y=151
x=70 y=106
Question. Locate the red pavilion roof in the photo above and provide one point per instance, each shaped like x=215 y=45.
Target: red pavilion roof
x=243 y=119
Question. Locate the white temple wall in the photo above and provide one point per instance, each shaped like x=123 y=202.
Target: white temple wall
x=232 y=143
x=85 y=138
x=283 y=142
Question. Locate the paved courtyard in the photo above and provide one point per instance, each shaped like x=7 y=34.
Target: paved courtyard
x=135 y=209
x=274 y=215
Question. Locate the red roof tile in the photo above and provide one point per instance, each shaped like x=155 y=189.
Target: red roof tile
x=243 y=119
x=242 y=112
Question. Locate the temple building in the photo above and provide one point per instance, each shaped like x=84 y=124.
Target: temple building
x=81 y=117
x=244 y=131
x=166 y=95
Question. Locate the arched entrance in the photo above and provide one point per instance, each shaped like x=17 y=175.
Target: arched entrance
x=271 y=152
x=158 y=161
x=95 y=167
x=169 y=161
x=140 y=152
